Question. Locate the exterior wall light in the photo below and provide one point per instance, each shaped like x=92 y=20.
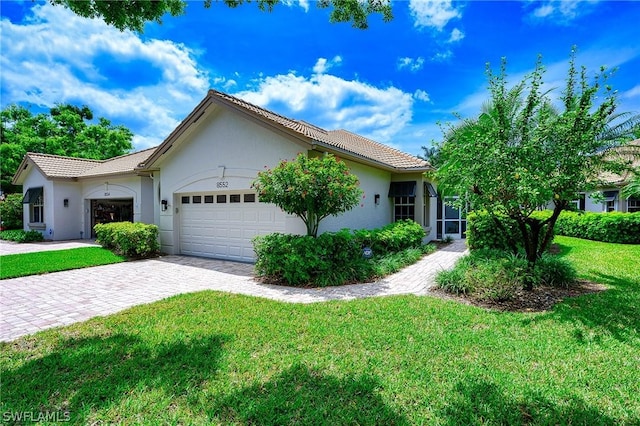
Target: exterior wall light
x=164 y=204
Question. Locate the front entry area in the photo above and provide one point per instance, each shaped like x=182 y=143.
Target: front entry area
x=222 y=225
x=107 y=211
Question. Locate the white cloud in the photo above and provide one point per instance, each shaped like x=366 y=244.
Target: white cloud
x=632 y=93
x=456 y=35
x=442 y=56
x=421 y=95
x=322 y=65
x=433 y=13
x=411 y=64
x=335 y=103
x=555 y=78
x=55 y=56
x=302 y=3
x=562 y=11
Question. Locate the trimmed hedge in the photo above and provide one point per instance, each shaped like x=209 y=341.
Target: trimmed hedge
x=391 y=238
x=483 y=233
x=613 y=227
x=333 y=258
x=20 y=236
x=128 y=239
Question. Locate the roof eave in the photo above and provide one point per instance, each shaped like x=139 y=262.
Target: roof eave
x=368 y=161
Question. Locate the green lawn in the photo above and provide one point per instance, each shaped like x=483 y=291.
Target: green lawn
x=21 y=265
x=211 y=358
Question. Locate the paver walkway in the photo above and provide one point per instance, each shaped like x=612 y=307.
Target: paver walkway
x=34 y=303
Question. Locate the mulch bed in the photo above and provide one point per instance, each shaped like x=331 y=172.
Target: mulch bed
x=538 y=300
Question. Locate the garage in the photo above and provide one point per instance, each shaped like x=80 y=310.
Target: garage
x=222 y=225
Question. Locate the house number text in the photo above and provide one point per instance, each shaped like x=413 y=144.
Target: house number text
x=222 y=184
x=106 y=194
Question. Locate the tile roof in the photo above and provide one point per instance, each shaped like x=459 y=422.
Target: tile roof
x=629 y=153
x=56 y=166
x=340 y=139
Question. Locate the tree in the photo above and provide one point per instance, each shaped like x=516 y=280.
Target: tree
x=134 y=14
x=522 y=152
x=66 y=130
x=310 y=188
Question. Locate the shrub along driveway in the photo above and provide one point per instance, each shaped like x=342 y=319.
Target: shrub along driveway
x=38 y=302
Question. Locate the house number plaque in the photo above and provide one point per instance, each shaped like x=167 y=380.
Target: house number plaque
x=222 y=184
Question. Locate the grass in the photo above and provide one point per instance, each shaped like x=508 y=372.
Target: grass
x=215 y=358
x=21 y=265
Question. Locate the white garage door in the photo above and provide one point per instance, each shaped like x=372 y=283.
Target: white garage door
x=221 y=225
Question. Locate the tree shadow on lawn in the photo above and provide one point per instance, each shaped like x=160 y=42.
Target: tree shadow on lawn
x=613 y=312
x=95 y=373
x=301 y=395
x=476 y=401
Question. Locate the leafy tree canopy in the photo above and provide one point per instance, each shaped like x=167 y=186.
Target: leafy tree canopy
x=134 y=14
x=310 y=188
x=66 y=130
x=524 y=151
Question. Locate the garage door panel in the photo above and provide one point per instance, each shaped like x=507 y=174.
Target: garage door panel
x=225 y=230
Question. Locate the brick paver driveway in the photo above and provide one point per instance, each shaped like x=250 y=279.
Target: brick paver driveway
x=38 y=302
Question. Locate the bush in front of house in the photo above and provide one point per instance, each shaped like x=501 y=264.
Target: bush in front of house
x=20 y=236
x=496 y=275
x=483 y=232
x=336 y=258
x=11 y=211
x=612 y=227
x=136 y=240
x=392 y=238
x=298 y=260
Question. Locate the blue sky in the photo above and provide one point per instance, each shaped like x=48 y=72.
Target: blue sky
x=393 y=82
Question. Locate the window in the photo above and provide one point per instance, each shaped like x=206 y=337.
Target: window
x=197 y=199
x=234 y=198
x=404 y=208
x=221 y=199
x=633 y=205
x=249 y=198
x=208 y=199
x=35 y=198
x=610 y=200
x=579 y=203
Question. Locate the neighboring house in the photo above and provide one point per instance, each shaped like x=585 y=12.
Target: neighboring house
x=196 y=186
x=612 y=184
x=65 y=197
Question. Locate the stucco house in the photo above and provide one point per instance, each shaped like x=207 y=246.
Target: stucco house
x=612 y=184
x=196 y=185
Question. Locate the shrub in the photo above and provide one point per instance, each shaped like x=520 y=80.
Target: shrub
x=330 y=259
x=20 y=236
x=453 y=281
x=11 y=211
x=128 y=239
x=613 y=227
x=391 y=238
x=496 y=275
x=335 y=258
x=555 y=271
x=484 y=233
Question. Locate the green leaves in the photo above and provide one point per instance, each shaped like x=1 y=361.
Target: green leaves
x=66 y=130
x=310 y=188
x=521 y=152
x=133 y=15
